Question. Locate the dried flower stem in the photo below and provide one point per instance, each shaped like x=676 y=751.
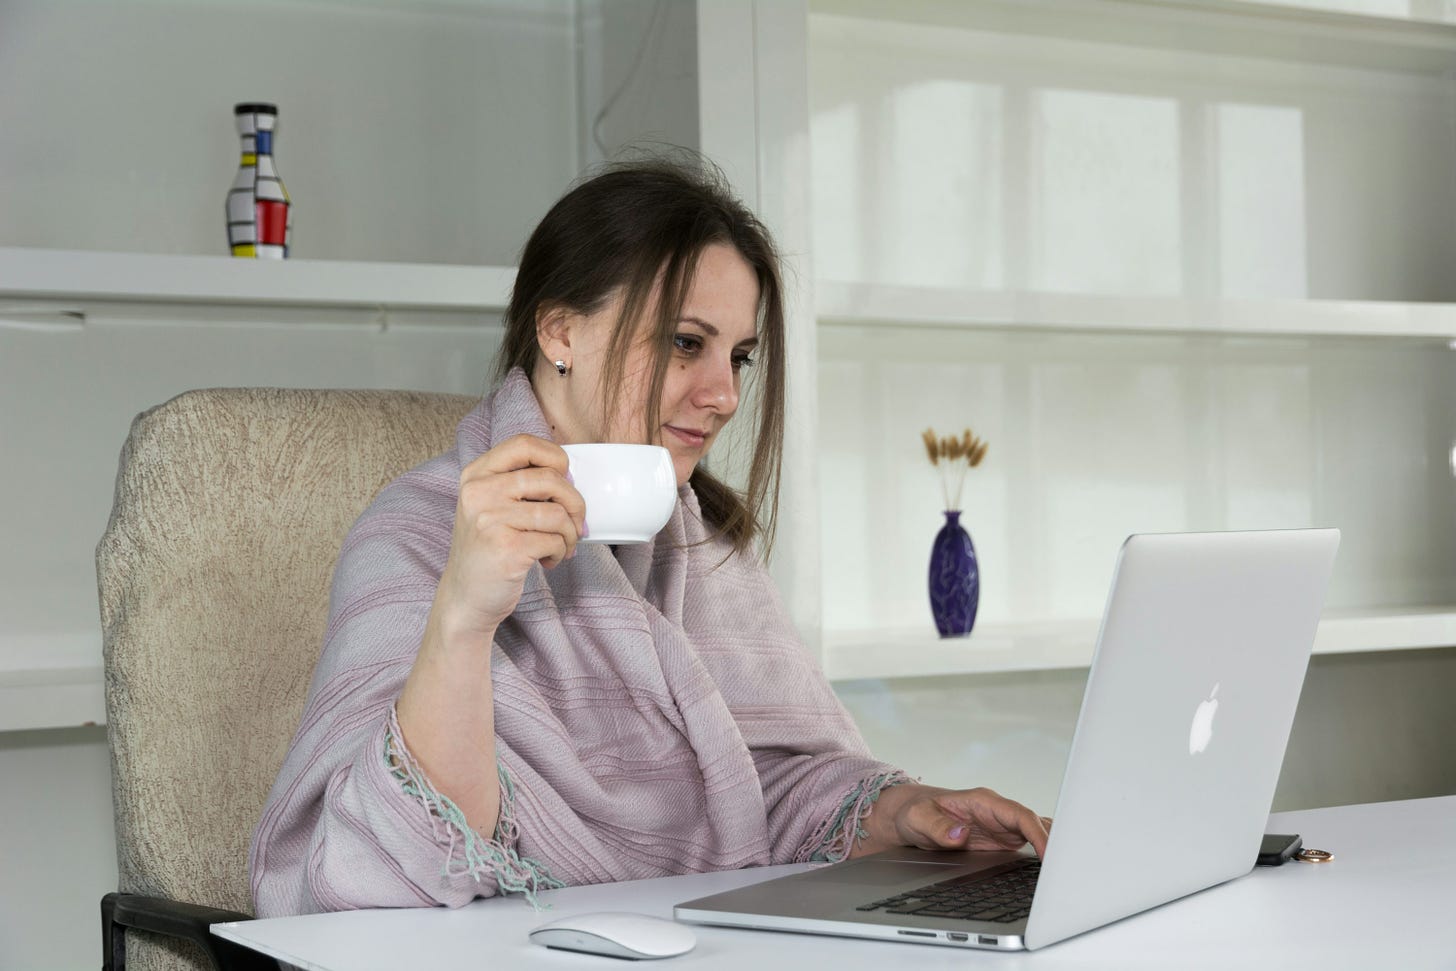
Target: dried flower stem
x=960 y=453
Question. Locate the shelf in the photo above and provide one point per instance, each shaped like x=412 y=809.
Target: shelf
x=1244 y=28
x=51 y=682
x=992 y=648
x=855 y=304
x=146 y=277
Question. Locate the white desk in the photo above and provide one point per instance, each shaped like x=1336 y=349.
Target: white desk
x=1387 y=900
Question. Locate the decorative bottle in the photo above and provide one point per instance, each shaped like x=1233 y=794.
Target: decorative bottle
x=259 y=212
x=955 y=578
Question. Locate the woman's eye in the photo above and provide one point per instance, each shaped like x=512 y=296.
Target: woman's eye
x=692 y=344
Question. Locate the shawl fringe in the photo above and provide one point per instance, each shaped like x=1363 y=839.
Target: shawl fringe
x=468 y=853
x=834 y=839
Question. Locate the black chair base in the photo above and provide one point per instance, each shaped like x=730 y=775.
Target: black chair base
x=171 y=918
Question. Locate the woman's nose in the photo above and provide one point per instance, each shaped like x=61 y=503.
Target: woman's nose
x=718 y=387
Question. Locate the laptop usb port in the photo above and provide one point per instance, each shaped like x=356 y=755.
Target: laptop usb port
x=989 y=941
x=957 y=936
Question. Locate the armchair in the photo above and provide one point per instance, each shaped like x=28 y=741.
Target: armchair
x=213 y=576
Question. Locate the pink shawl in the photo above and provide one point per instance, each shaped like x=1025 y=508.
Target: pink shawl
x=655 y=714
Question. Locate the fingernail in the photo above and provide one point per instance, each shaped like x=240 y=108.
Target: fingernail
x=584 y=531
x=958 y=832
x=569 y=478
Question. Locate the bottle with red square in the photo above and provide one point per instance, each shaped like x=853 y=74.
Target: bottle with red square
x=259 y=211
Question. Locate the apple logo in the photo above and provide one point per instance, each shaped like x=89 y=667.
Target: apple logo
x=1201 y=732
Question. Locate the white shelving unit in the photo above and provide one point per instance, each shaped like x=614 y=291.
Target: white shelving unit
x=1145 y=247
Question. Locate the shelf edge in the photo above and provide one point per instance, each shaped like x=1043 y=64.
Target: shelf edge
x=860 y=304
x=147 y=277
x=1068 y=646
x=72 y=697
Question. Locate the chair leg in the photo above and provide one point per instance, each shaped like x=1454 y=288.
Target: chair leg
x=113 y=936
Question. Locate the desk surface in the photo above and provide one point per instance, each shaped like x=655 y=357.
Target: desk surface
x=1387 y=900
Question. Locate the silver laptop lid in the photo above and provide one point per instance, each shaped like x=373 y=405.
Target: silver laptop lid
x=1187 y=711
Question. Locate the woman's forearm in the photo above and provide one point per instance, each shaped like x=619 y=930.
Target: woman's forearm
x=446 y=712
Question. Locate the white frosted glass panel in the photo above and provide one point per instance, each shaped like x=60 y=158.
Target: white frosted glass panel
x=908 y=159
x=840 y=241
x=1112 y=447
x=1268 y=463
x=1105 y=196
x=845 y=511
x=1261 y=201
x=1381 y=424
x=1119 y=169
x=940 y=202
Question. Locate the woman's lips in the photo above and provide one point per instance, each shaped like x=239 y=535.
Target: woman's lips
x=688 y=436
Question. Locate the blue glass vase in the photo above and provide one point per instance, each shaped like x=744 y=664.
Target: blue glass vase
x=955 y=579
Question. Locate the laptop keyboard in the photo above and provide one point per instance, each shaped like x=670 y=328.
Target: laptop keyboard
x=1000 y=894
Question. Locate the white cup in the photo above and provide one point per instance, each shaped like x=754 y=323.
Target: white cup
x=630 y=490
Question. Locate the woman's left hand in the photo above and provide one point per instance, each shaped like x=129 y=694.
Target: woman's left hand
x=953 y=819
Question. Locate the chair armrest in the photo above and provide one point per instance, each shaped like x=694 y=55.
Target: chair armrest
x=172 y=918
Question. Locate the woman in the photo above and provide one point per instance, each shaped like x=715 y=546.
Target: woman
x=604 y=714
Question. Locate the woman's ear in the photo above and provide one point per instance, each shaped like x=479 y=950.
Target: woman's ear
x=553 y=332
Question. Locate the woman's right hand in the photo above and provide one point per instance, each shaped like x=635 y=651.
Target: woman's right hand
x=517 y=508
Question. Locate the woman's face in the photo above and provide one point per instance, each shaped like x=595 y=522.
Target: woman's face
x=713 y=341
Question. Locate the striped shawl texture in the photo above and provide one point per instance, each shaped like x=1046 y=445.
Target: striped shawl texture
x=655 y=714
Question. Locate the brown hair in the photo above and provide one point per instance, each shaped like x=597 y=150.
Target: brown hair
x=625 y=229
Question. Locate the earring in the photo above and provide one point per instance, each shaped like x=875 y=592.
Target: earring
x=561 y=368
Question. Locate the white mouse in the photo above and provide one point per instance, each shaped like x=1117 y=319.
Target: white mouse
x=617 y=935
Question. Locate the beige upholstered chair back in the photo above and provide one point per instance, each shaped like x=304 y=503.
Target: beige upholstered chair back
x=214 y=576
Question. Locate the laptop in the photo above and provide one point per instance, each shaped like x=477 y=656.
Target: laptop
x=1194 y=681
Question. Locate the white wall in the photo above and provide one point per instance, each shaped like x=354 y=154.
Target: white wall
x=59 y=852
x=638 y=77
